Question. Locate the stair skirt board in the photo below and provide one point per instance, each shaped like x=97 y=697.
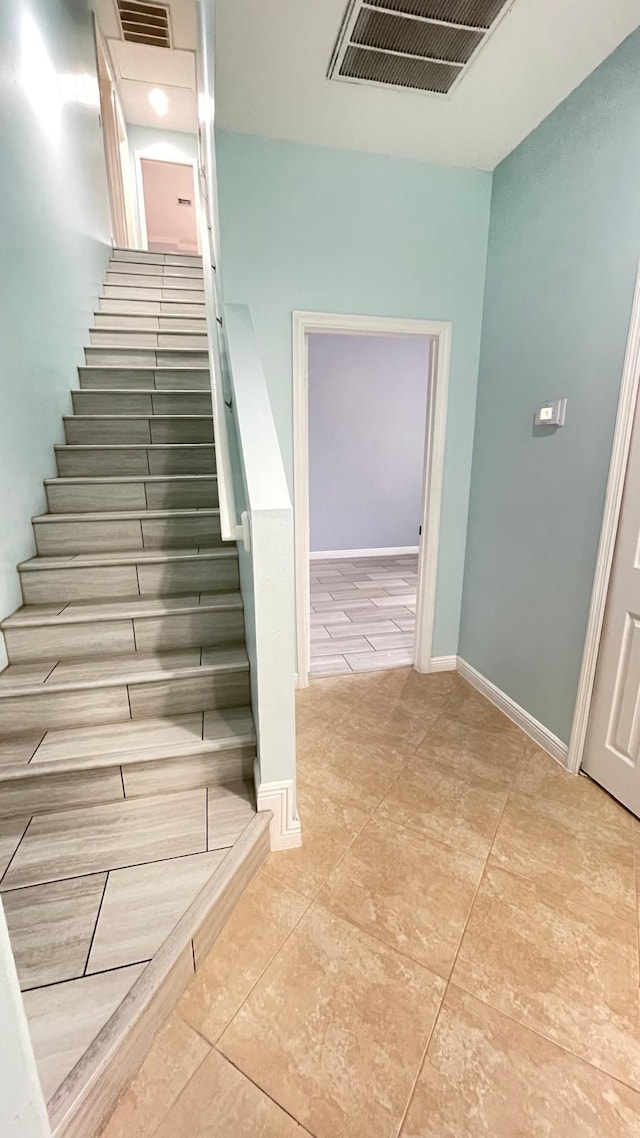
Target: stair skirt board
x=83 y=1103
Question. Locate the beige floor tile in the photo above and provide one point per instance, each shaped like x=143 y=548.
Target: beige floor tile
x=259 y=924
x=573 y=854
x=487 y=1077
x=336 y=1028
x=352 y=767
x=557 y=967
x=461 y=812
x=491 y=758
x=95 y=838
x=409 y=891
x=141 y=905
x=328 y=831
x=542 y=777
x=468 y=706
x=176 y=1054
x=51 y=927
x=65 y=1018
x=219 y=1102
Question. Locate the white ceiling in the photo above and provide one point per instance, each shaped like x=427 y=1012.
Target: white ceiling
x=139 y=68
x=272 y=58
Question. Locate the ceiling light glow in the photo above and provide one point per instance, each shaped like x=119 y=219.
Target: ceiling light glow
x=159 y=101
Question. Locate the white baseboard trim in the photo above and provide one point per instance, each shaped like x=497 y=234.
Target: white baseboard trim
x=350 y=554
x=526 y=722
x=285 y=831
x=443 y=664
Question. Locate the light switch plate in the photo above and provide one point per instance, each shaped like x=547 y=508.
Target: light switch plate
x=551 y=414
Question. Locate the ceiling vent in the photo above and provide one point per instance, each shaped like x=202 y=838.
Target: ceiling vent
x=421 y=45
x=144 y=23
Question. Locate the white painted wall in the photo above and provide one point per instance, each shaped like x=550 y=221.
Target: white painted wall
x=22 y=1109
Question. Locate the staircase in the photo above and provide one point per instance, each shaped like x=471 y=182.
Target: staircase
x=126 y=737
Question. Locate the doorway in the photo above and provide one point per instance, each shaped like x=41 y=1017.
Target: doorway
x=167 y=197
x=369 y=425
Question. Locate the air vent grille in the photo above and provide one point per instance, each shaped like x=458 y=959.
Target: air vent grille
x=144 y=23
x=469 y=13
x=421 y=45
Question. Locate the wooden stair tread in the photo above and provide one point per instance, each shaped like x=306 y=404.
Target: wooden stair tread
x=125 y=557
x=188 y=734
x=128 y=515
x=122 y=608
x=79 y=674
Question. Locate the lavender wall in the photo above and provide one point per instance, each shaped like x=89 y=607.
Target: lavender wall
x=367 y=421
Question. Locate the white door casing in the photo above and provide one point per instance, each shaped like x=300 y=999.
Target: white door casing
x=440 y=334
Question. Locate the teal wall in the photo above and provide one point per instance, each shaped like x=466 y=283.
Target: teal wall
x=563 y=252
x=309 y=228
x=54 y=231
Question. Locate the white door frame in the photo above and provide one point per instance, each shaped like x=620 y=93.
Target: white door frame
x=440 y=334
x=157 y=152
x=613 y=501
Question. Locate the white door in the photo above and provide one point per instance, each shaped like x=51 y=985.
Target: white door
x=612 y=751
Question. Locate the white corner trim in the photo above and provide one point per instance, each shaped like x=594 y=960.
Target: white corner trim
x=285 y=831
x=396 y=551
x=526 y=722
x=608 y=534
x=443 y=663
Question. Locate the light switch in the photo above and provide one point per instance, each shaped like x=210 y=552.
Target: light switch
x=551 y=414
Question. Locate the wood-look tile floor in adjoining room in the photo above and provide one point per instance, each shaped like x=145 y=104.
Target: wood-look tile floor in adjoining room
x=453 y=952
x=363 y=614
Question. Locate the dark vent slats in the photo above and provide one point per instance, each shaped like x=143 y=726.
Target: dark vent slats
x=144 y=23
x=422 y=45
x=398 y=70
x=381 y=30
x=472 y=13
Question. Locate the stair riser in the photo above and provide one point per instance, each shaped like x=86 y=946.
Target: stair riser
x=136 y=337
x=143 y=256
x=207 y=629
x=155 y=269
x=148 y=579
x=154 y=280
x=100 y=462
x=50 y=710
x=146 y=357
x=188 y=495
x=83 y=431
x=141 y=292
x=70 y=537
x=180 y=308
x=141 y=403
x=160 y=379
x=43 y=792
x=151 y=323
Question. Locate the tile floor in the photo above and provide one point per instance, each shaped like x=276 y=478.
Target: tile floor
x=91 y=893
x=452 y=953
x=363 y=614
